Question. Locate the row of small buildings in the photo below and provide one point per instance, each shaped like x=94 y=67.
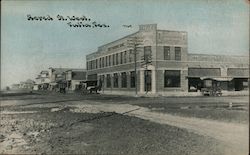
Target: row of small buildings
x=150 y=61
x=55 y=78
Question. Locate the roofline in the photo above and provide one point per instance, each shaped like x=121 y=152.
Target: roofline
x=119 y=39
x=113 y=42
x=128 y=36
x=76 y=70
x=63 y=68
x=172 y=31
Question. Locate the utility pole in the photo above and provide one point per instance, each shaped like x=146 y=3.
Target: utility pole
x=146 y=60
x=135 y=43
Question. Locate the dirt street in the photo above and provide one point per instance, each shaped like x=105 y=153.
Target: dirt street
x=113 y=125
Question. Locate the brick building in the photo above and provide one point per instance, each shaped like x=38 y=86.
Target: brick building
x=163 y=65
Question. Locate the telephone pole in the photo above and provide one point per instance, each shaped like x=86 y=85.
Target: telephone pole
x=146 y=60
x=135 y=43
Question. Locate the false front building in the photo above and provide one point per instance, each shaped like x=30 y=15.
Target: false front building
x=153 y=61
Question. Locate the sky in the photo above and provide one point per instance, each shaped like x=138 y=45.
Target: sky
x=27 y=47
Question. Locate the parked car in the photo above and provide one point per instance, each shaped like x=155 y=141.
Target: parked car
x=212 y=91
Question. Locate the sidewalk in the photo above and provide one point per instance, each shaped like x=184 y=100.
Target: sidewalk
x=173 y=93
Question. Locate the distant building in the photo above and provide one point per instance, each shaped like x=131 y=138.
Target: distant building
x=28 y=84
x=171 y=68
x=56 y=78
x=76 y=79
x=42 y=81
x=15 y=86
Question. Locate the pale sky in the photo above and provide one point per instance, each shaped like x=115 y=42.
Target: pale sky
x=27 y=47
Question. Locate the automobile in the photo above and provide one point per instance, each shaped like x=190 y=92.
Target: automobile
x=211 y=91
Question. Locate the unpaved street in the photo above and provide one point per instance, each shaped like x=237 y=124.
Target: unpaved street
x=32 y=127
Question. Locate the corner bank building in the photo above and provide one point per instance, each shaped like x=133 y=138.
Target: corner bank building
x=158 y=62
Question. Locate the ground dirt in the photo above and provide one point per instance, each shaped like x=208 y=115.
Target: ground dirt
x=71 y=124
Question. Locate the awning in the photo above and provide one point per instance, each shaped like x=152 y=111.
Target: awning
x=204 y=72
x=223 y=79
x=218 y=78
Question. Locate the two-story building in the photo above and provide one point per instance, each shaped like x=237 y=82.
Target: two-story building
x=158 y=62
x=70 y=78
x=42 y=81
x=76 y=79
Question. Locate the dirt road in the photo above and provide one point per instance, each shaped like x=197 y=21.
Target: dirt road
x=234 y=135
x=33 y=126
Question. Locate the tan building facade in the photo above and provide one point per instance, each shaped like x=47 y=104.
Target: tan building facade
x=163 y=64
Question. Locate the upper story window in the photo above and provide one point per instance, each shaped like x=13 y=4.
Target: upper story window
x=117 y=59
x=166 y=52
x=113 y=59
x=121 y=58
x=131 y=55
x=91 y=64
x=147 y=53
x=106 y=60
x=96 y=63
x=177 y=53
x=102 y=61
x=109 y=60
x=125 y=56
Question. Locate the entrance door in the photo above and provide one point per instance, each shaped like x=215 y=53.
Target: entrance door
x=148 y=80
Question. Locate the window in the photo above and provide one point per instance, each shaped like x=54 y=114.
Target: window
x=100 y=63
x=147 y=80
x=91 y=64
x=177 y=53
x=124 y=80
x=106 y=61
x=166 y=53
x=96 y=63
x=115 y=80
x=132 y=79
x=172 y=78
x=121 y=58
x=147 y=53
x=113 y=59
x=117 y=61
x=110 y=60
x=108 y=81
x=125 y=56
x=131 y=55
x=87 y=65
